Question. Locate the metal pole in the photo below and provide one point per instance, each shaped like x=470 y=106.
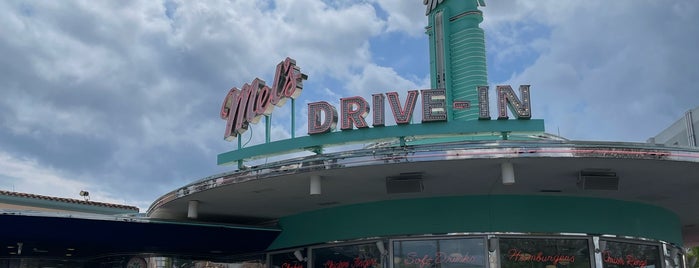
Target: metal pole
x=293 y=118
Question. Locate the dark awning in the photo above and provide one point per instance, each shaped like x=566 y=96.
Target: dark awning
x=68 y=237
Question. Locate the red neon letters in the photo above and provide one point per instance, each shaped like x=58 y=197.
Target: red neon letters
x=519 y=256
x=245 y=106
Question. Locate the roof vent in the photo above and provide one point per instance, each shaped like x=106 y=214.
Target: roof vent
x=404 y=183
x=598 y=179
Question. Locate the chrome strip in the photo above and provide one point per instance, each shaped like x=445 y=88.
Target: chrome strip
x=383 y=154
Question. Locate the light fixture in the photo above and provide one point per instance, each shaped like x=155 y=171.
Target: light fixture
x=299 y=256
x=380 y=246
x=193 y=209
x=674 y=252
x=410 y=182
x=508 y=173
x=315 y=184
x=598 y=179
x=85 y=194
x=492 y=244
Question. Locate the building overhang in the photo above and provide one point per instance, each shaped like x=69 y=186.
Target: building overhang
x=81 y=237
x=643 y=173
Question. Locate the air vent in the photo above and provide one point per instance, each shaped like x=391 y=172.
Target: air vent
x=549 y=191
x=598 y=179
x=404 y=183
x=328 y=203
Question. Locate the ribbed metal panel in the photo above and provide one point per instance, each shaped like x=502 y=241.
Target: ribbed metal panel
x=468 y=69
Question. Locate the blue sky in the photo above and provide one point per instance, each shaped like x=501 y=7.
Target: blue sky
x=121 y=98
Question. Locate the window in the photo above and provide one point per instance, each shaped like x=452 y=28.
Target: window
x=289 y=259
x=348 y=256
x=544 y=253
x=617 y=254
x=439 y=253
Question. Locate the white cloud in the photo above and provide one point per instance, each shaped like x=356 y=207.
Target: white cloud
x=27 y=175
x=378 y=79
x=40 y=119
x=125 y=95
x=405 y=16
x=325 y=39
x=607 y=70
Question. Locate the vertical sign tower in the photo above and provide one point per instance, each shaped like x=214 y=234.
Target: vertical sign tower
x=457 y=53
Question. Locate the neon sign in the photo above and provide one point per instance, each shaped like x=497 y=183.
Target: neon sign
x=355 y=263
x=518 y=256
x=629 y=260
x=247 y=105
x=441 y=258
x=323 y=116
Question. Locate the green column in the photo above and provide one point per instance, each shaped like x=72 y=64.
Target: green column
x=457 y=53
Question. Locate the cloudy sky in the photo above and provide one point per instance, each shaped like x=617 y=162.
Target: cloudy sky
x=121 y=98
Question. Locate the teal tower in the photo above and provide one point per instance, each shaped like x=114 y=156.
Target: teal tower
x=457 y=53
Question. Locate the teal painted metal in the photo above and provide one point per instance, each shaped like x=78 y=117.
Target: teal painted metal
x=480 y=213
x=435 y=129
x=463 y=47
x=461 y=50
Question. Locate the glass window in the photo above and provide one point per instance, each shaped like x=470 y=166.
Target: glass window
x=441 y=253
x=617 y=254
x=544 y=253
x=348 y=256
x=290 y=259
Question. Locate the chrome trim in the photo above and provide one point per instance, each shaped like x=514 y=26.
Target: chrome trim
x=475 y=12
x=388 y=153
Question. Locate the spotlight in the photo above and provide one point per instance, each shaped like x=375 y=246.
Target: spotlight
x=315 y=185
x=508 y=173
x=492 y=244
x=299 y=256
x=85 y=194
x=193 y=209
x=380 y=246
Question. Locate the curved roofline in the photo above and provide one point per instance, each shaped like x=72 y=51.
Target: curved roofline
x=77 y=205
x=501 y=149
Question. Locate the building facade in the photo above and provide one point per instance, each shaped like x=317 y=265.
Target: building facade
x=680 y=133
x=25 y=202
x=464 y=187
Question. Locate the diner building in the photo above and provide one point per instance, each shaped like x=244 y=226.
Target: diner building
x=461 y=188
x=461 y=175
